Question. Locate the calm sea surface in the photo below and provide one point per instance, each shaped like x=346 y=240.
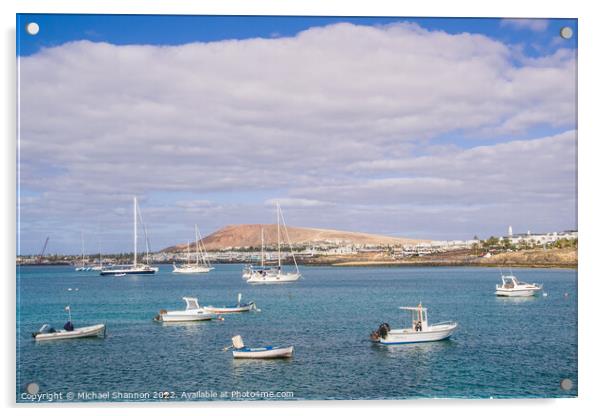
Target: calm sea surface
x=502 y=348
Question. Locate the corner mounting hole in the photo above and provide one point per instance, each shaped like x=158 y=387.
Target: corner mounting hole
x=32 y=28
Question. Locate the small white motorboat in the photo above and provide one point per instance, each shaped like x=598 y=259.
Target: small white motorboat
x=240 y=351
x=512 y=287
x=239 y=307
x=420 y=331
x=47 y=333
x=193 y=312
x=119 y=275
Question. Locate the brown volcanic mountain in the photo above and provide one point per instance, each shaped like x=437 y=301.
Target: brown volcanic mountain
x=249 y=235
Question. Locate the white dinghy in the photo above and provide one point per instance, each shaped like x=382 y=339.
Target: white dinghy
x=193 y=312
x=240 y=351
x=420 y=331
x=511 y=287
x=47 y=333
x=239 y=307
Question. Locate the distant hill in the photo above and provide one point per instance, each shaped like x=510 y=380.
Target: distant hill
x=249 y=235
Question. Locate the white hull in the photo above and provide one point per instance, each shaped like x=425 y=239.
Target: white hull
x=131 y=270
x=84 y=332
x=229 y=309
x=408 y=336
x=184 y=316
x=268 y=352
x=270 y=278
x=512 y=287
x=516 y=292
x=192 y=269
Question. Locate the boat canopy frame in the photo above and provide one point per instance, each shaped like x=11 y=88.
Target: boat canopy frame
x=191 y=303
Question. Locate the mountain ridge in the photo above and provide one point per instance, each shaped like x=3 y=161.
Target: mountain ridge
x=249 y=235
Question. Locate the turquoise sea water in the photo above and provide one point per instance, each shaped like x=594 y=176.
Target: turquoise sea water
x=502 y=348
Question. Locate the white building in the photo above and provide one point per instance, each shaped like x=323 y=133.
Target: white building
x=542 y=239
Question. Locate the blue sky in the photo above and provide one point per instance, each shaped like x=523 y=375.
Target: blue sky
x=419 y=127
x=176 y=30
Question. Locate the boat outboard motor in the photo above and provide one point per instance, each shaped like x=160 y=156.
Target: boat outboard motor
x=383 y=330
x=45 y=329
x=68 y=326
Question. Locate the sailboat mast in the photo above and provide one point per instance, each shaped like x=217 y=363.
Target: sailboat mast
x=203 y=251
x=278 y=219
x=135 y=232
x=262 y=261
x=100 y=251
x=288 y=239
x=196 y=239
x=83 y=249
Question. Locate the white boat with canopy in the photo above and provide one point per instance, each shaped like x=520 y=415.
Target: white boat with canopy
x=238 y=307
x=512 y=287
x=241 y=351
x=69 y=331
x=420 y=331
x=270 y=275
x=201 y=265
x=135 y=268
x=193 y=312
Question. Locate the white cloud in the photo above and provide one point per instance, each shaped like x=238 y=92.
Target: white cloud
x=296 y=202
x=526 y=171
x=536 y=25
x=252 y=120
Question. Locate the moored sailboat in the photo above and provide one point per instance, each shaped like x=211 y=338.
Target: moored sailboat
x=202 y=264
x=83 y=267
x=135 y=267
x=269 y=275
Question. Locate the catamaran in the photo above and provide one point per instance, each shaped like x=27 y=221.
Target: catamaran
x=269 y=275
x=202 y=264
x=135 y=268
x=420 y=331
